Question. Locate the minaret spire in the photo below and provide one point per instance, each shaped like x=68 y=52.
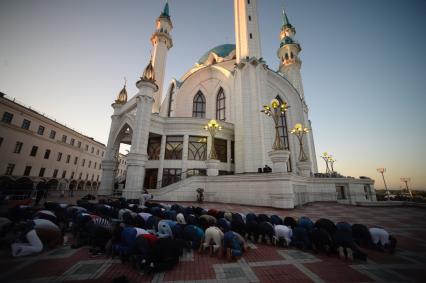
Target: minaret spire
x=165 y=12
x=288 y=53
x=161 y=41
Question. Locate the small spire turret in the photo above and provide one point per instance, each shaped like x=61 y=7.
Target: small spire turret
x=122 y=96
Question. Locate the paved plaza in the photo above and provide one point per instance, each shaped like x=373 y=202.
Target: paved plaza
x=262 y=263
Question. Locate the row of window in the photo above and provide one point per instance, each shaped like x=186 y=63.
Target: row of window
x=197 y=148
x=47 y=153
x=8 y=117
x=199 y=105
x=27 y=172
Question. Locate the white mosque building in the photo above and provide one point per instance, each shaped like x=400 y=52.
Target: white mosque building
x=170 y=148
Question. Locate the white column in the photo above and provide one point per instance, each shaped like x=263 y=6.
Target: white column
x=228 y=156
x=161 y=167
x=185 y=156
x=137 y=157
x=110 y=157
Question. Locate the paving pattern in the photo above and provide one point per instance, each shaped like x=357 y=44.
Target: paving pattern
x=262 y=263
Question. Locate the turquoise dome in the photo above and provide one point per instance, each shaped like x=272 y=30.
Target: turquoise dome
x=286 y=40
x=220 y=50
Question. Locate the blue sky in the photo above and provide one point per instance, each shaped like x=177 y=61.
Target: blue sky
x=364 y=66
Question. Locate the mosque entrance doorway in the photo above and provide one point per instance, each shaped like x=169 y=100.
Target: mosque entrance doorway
x=150 y=179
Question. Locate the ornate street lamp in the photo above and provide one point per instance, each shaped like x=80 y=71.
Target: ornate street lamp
x=382 y=171
x=331 y=161
x=406 y=181
x=299 y=131
x=275 y=110
x=326 y=159
x=213 y=127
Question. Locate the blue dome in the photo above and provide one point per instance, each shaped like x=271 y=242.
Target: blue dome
x=286 y=40
x=220 y=50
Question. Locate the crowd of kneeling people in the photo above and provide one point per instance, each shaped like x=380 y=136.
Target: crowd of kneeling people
x=152 y=237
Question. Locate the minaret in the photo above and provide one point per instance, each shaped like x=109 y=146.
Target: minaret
x=161 y=41
x=247 y=36
x=288 y=53
x=248 y=89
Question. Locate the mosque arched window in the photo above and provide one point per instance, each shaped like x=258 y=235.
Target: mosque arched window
x=286 y=56
x=283 y=129
x=199 y=105
x=220 y=105
x=291 y=55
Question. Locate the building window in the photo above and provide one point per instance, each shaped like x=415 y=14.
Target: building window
x=41 y=173
x=174 y=145
x=79 y=144
x=251 y=36
x=171 y=98
x=90 y=163
x=154 y=146
x=27 y=171
x=100 y=166
x=40 y=130
x=7 y=117
x=83 y=162
x=283 y=130
x=94 y=166
x=18 y=147
x=171 y=176
x=232 y=152
x=64 y=174
x=34 y=150
x=248 y=2
x=103 y=154
x=220 y=105
x=68 y=158
x=64 y=138
x=72 y=141
x=72 y=175
x=26 y=124
x=79 y=175
x=97 y=151
x=9 y=169
x=221 y=148
x=86 y=147
x=92 y=150
x=196 y=172
x=52 y=134
x=59 y=156
x=55 y=173
x=249 y=18
x=75 y=160
x=197 y=148
x=47 y=154
x=199 y=105
x=1 y=140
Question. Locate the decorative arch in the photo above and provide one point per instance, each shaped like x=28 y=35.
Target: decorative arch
x=220 y=105
x=199 y=105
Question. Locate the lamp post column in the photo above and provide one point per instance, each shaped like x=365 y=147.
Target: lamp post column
x=279 y=154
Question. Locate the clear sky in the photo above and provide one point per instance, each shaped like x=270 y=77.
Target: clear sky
x=364 y=67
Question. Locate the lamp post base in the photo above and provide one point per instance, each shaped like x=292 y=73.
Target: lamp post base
x=212 y=167
x=304 y=168
x=279 y=160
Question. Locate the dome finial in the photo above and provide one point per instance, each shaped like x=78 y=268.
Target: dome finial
x=122 y=96
x=148 y=73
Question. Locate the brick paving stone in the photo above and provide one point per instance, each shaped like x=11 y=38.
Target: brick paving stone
x=281 y=273
x=267 y=263
x=336 y=271
x=415 y=275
